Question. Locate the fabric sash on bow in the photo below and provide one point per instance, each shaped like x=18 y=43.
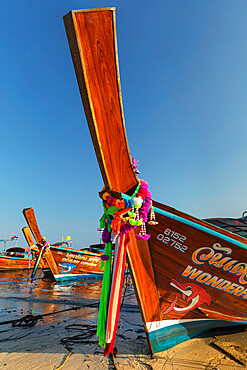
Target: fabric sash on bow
x=116 y=292
x=105 y=290
x=121 y=215
x=36 y=266
x=111 y=294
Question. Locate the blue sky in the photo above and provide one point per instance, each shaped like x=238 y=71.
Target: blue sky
x=183 y=69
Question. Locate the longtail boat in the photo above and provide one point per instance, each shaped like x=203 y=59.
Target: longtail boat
x=189 y=276
x=60 y=262
x=234 y=225
x=16 y=258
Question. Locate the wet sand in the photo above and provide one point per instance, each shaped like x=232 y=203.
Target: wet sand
x=46 y=346
x=60 y=334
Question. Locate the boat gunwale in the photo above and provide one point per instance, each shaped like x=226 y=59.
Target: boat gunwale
x=203 y=228
x=16 y=258
x=75 y=251
x=208 y=228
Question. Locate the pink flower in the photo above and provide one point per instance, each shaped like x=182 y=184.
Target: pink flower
x=143 y=237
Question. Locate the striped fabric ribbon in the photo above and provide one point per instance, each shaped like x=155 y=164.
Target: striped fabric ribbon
x=36 y=266
x=110 y=301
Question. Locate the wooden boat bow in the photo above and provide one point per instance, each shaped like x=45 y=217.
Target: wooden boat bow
x=164 y=269
x=92 y=39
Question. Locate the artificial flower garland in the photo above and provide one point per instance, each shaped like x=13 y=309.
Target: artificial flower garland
x=124 y=215
x=121 y=215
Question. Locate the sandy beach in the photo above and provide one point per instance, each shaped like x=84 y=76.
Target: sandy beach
x=64 y=335
x=65 y=340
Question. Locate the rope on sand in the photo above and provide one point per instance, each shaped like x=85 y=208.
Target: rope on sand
x=64 y=362
x=86 y=333
x=31 y=320
x=28 y=320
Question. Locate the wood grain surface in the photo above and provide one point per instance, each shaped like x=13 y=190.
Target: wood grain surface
x=153 y=264
x=92 y=40
x=7 y=264
x=30 y=218
x=170 y=262
x=28 y=236
x=33 y=225
x=56 y=258
x=82 y=262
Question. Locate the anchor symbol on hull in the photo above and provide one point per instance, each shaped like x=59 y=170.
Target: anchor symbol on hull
x=192 y=293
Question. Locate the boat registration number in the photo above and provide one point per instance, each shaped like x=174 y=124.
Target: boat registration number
x=173 y=239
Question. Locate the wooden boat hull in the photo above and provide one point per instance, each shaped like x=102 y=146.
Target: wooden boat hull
x=190 y=276
x=179 y=331
x=60 y=262
x=8 y=263
x=200 y=275
x=74 y=264
x=17 y=258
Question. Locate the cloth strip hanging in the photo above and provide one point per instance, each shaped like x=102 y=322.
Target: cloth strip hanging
x=116 y=293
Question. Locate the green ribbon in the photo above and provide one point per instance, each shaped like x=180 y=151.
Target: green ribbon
x=113 y=209
x=106 y=283
x=107 y=212
x=136 y=191
x=105 y=291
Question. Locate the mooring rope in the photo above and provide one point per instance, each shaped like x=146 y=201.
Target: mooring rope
x=87 y=332
x=31 y=320
x=64 y=362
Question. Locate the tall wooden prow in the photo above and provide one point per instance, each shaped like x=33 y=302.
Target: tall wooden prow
x=173 y=308
x=33 y=226
x=94 y=54
x=92 y=40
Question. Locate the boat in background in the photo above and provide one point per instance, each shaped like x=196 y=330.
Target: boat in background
x=16 y=258
x=233 y=225
x=60 y=262
x=190 y=276
x=75 y=264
